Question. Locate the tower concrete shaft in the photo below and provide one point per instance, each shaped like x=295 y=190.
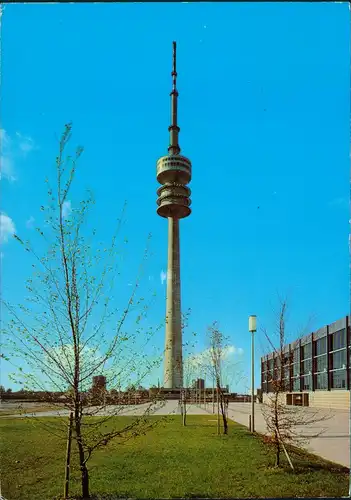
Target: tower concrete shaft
x=173 y=363
x=173 y=173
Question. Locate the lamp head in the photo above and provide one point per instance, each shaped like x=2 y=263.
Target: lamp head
x=252 y=323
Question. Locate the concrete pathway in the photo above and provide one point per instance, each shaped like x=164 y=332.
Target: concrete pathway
x=157 y=408
x=333 y=444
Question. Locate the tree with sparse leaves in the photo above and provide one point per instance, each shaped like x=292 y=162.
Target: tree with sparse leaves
x=71 y=331
x=189 y=368
x=217 y=347
x=286 y=425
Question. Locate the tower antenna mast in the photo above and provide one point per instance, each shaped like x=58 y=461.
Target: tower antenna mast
x=174 y=148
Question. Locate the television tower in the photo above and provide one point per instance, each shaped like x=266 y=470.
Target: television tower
x=174 y=173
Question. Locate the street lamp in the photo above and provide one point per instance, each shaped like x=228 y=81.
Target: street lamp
x=252 y=329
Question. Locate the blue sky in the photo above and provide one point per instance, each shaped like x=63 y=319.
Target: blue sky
x=264 y=115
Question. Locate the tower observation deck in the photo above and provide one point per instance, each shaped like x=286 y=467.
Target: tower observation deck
x=174 y=173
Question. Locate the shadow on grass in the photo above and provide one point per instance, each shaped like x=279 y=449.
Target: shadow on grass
x=326 y=437
x=309 y=461
x=111 y=496
x=301 y=469
x=306 y=461
x=101 y=496
x=199 y=425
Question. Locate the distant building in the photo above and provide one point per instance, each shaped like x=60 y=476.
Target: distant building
x=98 y=390
x=316 y=368
x=99 y=382
x=199 y=384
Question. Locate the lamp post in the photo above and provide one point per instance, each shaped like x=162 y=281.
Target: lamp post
x=252 y=329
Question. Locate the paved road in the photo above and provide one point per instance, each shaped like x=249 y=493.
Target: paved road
x=333 y=444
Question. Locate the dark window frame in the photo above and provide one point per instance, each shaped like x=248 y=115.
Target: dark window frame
x=333 y=365
x=317 y=375
x=337 y=336
x=303 y=378
x=318 y=344
x=332 y=379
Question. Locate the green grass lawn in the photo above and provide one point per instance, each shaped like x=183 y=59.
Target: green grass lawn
x=169 y=462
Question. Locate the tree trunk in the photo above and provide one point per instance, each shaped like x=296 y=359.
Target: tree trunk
x=224 y=417
x=277 y=425
x=82 y=464
x=218 y=418
x=277 y=456
x=68 y=456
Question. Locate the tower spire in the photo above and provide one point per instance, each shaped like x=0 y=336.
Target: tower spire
x=174 y=148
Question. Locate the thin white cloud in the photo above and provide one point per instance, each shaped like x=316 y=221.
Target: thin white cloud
x=30 y=222
x=204 y=358
x=233 y=350
x=25 y=143
x=5 y=139
x=12 y=148
x=6 y=169
x=163 y=277
x=66 y=209
x=7 y=227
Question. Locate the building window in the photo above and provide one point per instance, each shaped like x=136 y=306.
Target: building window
x=306 y=382
x=321 y=363
x=321 y=346
x=338 y=340
x=296 y=355
x=296 y=384
x=338 y=379
x=306 y=366
x=296 y=369
x=306 y=351
x=339 y=359
x=286 y=384
x=321 y=380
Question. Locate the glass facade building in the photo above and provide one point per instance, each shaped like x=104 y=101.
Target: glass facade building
x=319 y=361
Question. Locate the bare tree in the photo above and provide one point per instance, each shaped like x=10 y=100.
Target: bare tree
x=190 y=367
x=285 y=424
x=71 y=332
x=217 y=347
x=187 y=365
